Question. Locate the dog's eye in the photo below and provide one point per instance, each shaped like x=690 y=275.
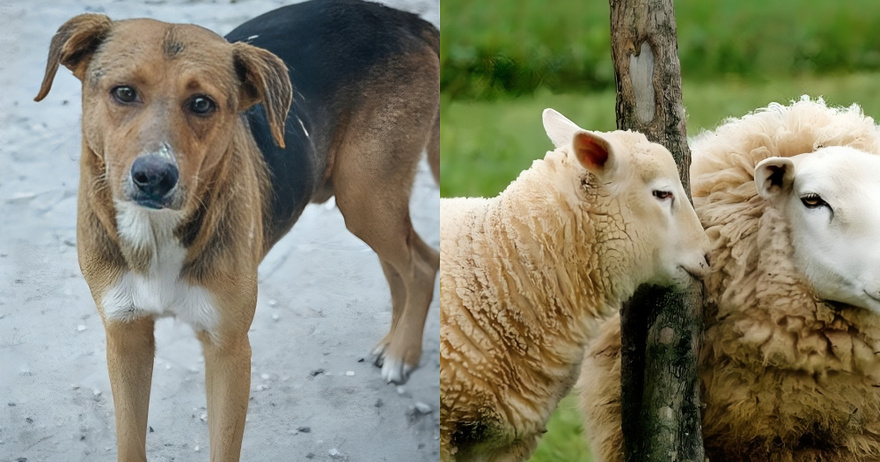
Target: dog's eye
x=201 y=105
x=813 y=201
x=124 y=94
x=662 y=195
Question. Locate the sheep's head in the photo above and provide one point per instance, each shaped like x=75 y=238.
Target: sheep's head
x=656 y=216
x=830 y=198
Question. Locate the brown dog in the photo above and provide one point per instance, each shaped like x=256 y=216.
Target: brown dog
x=198 y=154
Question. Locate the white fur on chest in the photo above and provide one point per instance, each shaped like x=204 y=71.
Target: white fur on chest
x=161 y=291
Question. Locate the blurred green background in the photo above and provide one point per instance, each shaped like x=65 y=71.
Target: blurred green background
x=503 y=62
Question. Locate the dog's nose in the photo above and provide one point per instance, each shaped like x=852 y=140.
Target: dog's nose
x=154 y=176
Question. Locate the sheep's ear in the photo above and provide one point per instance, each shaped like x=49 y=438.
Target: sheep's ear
x=558 y=128
x=774 y=176
x=594 y=153
x=73 y=46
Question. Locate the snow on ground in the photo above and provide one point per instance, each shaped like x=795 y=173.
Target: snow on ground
x=323 y=300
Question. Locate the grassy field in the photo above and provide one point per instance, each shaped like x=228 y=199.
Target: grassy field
x=502 y=48
x=485 y=144
x=564 y=440
x=503 y=62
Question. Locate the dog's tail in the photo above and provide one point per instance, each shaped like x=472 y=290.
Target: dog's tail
x=431 y=36
x=419 y=27
x=434 y=148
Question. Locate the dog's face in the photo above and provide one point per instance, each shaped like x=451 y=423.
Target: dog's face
x=161 y=102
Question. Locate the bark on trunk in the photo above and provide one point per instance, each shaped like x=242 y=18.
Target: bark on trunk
x=660 y=327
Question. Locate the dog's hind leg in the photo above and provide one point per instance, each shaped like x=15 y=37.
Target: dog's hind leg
x=377 y=211
x=373 y=177
x=130 y=349
x=398 y=301
x=377 y=148
x=395 y=370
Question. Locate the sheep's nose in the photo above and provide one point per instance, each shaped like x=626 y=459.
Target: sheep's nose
x=154 y=177
x=698 y=267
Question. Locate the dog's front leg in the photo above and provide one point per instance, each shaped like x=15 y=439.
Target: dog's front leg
x=130 y=349
x=228 y=384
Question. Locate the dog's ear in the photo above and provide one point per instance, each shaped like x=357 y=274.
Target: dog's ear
x=264 y=80
x=73 y=46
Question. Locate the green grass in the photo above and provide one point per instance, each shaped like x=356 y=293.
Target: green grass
x=484 y=145
x=564 y=440
x=507 y=47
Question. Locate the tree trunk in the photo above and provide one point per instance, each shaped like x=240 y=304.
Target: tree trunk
x=660 y=327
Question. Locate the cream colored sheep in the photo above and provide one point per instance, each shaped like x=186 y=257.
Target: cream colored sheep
x=525 y=277
x=790 y=367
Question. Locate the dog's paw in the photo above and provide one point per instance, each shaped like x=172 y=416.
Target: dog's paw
x=395 y=370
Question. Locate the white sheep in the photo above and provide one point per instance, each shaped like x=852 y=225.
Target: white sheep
x=790 y=367
x=526 y=276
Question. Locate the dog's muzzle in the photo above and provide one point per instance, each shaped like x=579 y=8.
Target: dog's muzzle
x=154 y=177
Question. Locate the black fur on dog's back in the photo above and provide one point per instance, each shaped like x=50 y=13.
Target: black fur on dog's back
x=330 y=48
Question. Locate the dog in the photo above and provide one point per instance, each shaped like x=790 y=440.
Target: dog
x=199 y=153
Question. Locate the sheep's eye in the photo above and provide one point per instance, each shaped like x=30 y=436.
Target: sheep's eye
x=124 y=94
x=201 y=105
x=662 y=195
x=812 y=201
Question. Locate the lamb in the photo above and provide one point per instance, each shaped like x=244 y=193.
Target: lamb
x=790 y=367
x=526 y=276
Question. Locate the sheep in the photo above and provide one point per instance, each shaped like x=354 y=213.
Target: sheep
x=526 y=276
x=790 y=365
